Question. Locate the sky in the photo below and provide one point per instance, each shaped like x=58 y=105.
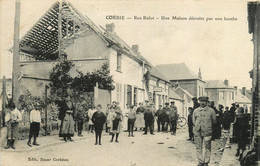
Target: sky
x=222 y=49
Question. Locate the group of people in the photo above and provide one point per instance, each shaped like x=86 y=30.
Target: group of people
x=205 y=122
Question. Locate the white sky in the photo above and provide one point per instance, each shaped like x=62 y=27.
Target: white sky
x=222 y=49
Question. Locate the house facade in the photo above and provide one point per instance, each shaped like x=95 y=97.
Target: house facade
x=88 y=47
x=220 y=92
x=180 y=75
x=157 y=87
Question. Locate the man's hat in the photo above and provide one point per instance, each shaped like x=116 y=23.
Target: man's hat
x=194 y=98
x=233 y=104
x=166 y=103
x=203 y=98
x=147 y=101
x=172 y=102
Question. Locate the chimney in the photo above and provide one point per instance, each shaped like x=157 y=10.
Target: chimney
x=110 y=28
x=226 y=82
x=199 y=74
x=135 y=48
x=244 y=91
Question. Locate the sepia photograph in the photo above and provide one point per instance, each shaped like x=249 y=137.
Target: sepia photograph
x=129 y=83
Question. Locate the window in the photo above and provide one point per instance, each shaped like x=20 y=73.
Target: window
x=118 y=92
x=129 y=95
x=119 y=61
x=160 y=99
x=233 y=96
x=157 y=83
x=135 y=95
x=154 y=97
x=199 y=91
x=221 y=95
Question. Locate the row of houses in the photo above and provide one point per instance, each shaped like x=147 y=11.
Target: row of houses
x=90 y=46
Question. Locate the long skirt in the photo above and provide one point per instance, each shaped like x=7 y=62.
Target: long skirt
x=67 y=127
x=116 y=126
x=12 y=130
x=34 y=129
x=139 y=123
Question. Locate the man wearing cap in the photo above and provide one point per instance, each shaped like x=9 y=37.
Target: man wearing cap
x=166 y=111
x=233 y=112
x=203 y=119
x=159 y=114
x=195 y=103
x=173 y=116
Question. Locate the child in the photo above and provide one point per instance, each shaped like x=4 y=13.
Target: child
x=190 y=125
x=12 y=118
x=131 y=121
x=35 y=120
x=98 y=119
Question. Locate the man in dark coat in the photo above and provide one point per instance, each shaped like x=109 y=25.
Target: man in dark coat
x=166 y=112
x=149 y=120
x=79 y=118
x=233 y=112
x=190 y=125
x=173 y=117
x=159 y=114
x=217 y=126
x=195 y=103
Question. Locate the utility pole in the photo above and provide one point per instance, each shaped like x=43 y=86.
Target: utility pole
x=2 y=121
x=46 y=111
x=16 y=67
x=60 y=30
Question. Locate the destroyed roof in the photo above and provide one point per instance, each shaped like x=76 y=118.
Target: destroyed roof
x=217 y=84
x=154 y=72
x=177 y=71
x=42 y=42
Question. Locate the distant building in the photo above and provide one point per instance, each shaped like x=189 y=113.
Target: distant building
x=242 y=98
x=180 y=75
x=220 y=92
x=158 y=87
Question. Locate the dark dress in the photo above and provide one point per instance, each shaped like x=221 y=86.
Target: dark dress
x=67 y=119
x=241 y=126
x=217 y=127
x=190 y=125
x=149 y=120
x=226 y=120
x=98 y=119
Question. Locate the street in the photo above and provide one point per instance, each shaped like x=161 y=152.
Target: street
x=161 y=149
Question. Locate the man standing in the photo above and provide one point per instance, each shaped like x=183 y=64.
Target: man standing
x=195 y=103
x=35 y=120
x=233 y=112
x=159 y=114
x=203 y=119
x=173 y=116
x=149 y=120
x=166 y=112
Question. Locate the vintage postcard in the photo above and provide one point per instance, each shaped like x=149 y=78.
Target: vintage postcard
x=127 y=83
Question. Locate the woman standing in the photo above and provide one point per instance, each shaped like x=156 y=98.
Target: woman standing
x=12 y=118
x=98 y=119
x=117 y=118
x=241 y=126
x=67 y=116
